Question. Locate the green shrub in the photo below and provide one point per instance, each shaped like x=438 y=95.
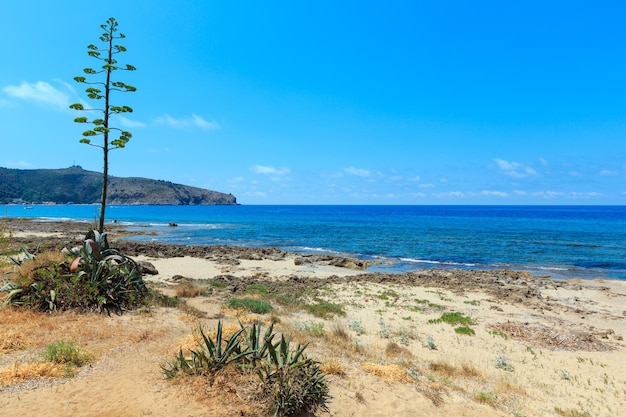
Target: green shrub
x=324 y=309
x=250 y=304
x=97 y=279
x=453 y=319
x=257 y=288
x=65 y=352
x=293 y=383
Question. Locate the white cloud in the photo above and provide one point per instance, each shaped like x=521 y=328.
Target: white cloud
x=258 y=194
x=4 y=102
x=591 y=194
x=181 y=123
x=608 y=173
x=358 y=171
x=265 y=170
x=543 y=162
x=489 y=193
x=548 y=194
x=203 y=124
x=451 y=194
x=514 y=169
x=126 y=122
x=575 y=174
x=40 y=92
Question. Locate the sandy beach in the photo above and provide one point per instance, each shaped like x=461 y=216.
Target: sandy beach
x=535 y=346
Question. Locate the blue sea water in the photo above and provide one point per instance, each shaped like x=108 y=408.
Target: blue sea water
x=559 y=241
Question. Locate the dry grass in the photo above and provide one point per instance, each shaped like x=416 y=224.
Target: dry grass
x=393 y=350
x=46 y=258
x=464 y=371
x=188 y=289
x=333 y=367
x=22 y=372
x=227 y=393
x=553 y=338
x=391 y=373
x=11 y=340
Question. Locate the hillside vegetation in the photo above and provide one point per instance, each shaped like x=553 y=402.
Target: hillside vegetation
x=78 y=186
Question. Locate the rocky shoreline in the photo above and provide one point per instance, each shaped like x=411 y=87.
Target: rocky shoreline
x=506 y=285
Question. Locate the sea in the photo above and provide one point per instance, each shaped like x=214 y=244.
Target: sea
x=548 y=241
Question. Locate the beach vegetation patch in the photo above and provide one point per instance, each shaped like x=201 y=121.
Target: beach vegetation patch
x=6 y=238
x=189 y=289
x=387 y=294
x=571 y=412
x=504 y=363
x=91 y=277
x=487 y=397
x=11 y=340
x=391 y=373
x=453 y=319
x=217 y=284
x=430 y=343
x=257 y=288
x=333 y=367
x=465 y=330
x=324 y=309
x=25 y=371
x=315 y=329
x=288 y=384
x=65 y=352
x=356 y=326
x=250 y=304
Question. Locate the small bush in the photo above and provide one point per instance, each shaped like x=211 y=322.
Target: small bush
x=356 y=326
x=65 y=352
x=430 y=343
x=257 y=288
x=250 y=304
x=290 y=384
x=92 y=277
x=188 y=290
x=324 y=309
x=502 y=362
x=315 y=329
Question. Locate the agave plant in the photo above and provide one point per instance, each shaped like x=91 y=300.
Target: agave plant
x=115 y=277
x=210 y=356
x=294 y=383
x=290 y=383
x=257 y=345
x=98 y=279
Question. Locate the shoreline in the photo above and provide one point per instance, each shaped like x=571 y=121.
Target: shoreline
x=54 y=231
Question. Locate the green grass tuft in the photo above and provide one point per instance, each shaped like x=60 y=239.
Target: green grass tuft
x=468 y=331
x=250 y=304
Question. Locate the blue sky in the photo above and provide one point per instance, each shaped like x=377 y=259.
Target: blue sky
x=335 y=102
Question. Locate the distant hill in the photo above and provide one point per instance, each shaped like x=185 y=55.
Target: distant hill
x=75 y=185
